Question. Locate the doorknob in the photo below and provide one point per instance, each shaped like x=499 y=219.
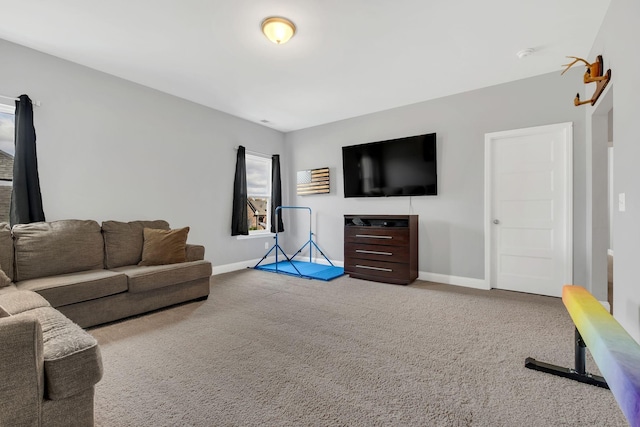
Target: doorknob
x=495 y=221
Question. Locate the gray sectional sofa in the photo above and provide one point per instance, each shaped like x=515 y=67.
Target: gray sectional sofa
x=90 y=273
x=59 y=277
x=49 y=367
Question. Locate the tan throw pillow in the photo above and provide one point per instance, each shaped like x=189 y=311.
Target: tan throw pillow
x=164 y=246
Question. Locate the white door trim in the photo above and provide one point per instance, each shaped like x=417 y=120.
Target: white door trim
x=489 y=138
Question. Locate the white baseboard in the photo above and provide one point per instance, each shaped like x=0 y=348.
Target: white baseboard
x=422 y=275
x=227 y=268
x=606 y=305
x=467 y=282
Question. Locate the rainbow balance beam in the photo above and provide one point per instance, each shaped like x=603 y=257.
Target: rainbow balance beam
x=615 y=352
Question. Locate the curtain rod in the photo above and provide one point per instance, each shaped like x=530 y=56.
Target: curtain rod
x=13 y=98
x=255 y=153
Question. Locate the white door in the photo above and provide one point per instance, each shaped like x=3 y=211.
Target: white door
x=528 y=209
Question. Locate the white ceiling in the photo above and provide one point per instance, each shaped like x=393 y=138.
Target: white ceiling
x=348 y=58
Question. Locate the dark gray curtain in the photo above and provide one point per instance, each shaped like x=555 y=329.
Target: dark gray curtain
x=26 y=199
x=276 y=193
x=239 y=222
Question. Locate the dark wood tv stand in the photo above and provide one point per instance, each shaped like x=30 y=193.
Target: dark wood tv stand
x=382 y=248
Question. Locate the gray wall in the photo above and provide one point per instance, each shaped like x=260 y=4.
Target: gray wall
x=617 y=42
x=451 y=224
x=112 y=149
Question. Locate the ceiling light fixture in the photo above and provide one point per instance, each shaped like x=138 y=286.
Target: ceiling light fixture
x=278 y=30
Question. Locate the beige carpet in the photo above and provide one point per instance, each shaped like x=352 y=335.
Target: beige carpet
x=272 y=350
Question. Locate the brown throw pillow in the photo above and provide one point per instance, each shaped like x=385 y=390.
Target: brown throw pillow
x=164 y=246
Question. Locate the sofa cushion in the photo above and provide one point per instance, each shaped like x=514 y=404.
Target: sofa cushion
x=123 y=241
x=144 y=278
x=72 y=361
x=51 y=248
x=195 y=252
x=6 y=249
x=4 y=279
x=164 y=246
x=20 y=301
x=21 y=372
x=3 y=291
x=71 y=288
x=7 y=289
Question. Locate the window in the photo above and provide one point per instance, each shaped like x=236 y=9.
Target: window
x=7 y=151
x=258 y=193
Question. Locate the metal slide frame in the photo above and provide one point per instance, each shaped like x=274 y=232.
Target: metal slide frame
x=309 y=242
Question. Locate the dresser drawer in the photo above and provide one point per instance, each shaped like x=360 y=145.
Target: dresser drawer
x=380 y=270
x=383 y=248
x=386 y=253
x=377 y=235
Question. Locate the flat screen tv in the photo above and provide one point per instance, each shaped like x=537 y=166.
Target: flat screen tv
x=397 y=167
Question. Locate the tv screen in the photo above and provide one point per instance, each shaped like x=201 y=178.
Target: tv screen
x=397 y=167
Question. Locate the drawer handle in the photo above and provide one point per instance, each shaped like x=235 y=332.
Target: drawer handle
x=363 y=251
x=373 y=268
x=373 y=236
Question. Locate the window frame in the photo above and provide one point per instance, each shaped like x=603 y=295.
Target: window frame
x=11 y=110
x=8 y=109
x=267 y=161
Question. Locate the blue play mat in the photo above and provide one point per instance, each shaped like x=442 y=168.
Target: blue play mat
x=305 y=269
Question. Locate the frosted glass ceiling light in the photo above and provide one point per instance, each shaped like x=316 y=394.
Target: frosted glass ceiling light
x=278 y=30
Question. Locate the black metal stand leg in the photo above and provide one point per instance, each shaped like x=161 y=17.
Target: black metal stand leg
x=580 y=359
x=578 y=374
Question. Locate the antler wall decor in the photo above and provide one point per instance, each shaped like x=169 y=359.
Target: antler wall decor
x=593 y=74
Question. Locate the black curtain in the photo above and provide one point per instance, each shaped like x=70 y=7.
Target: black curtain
x=276 y=194
x=239 y=219
x=26 y=199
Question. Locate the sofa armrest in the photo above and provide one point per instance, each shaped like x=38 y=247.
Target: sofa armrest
x=21 y=370
x=195 y=252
